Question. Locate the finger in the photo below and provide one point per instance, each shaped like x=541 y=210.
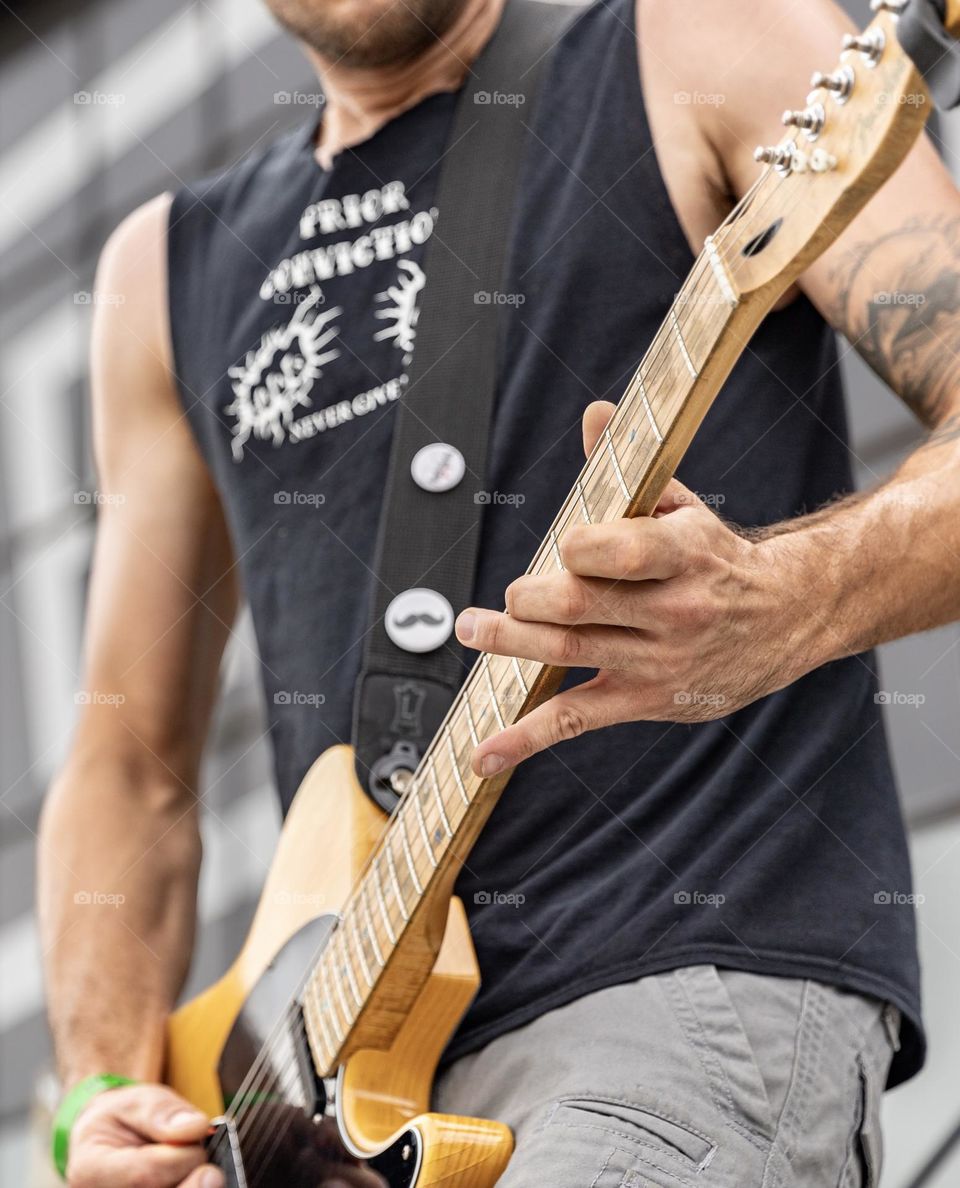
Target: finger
x=626 y=550
x=600 y=702
x=93 y=1165
x=205 y=1177
x=570 y=600
x=595 y=419
x=546 y=643
x=154 y=1112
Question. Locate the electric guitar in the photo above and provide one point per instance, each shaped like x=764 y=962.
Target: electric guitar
x=316 y=1051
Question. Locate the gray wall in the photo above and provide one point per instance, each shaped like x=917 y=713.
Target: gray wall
x=103 y=105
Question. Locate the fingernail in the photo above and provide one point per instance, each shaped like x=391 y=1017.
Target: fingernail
x=491 y=764
x=185 y=1118
x=466 y=626
x=211 y=1179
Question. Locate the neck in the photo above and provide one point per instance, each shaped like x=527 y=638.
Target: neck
x=360 y=100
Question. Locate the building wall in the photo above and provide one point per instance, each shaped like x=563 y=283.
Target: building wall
x=103 y=105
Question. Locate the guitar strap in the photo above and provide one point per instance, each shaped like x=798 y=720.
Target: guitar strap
x=429 y=530
x=934 y=51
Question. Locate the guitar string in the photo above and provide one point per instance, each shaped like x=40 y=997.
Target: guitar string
x=692 y=283
x=690 y=287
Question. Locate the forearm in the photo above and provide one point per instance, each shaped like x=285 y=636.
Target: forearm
x=119 y=861
x=877 y=566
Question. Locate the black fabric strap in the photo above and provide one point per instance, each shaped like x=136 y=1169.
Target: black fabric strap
x=934 y=51
x=426 y=538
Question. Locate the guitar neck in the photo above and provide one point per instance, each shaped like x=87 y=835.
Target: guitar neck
x=446 y=805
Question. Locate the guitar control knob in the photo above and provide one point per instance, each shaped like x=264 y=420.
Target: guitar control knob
x=839 y=83
x=810 y=120
x=869 y=45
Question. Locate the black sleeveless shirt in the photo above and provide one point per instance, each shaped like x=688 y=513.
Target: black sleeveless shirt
x=770 y=841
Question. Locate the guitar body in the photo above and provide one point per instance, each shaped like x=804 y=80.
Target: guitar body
x=375 y=1111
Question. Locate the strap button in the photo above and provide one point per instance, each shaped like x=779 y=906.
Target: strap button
x=437 y=467
x=419 y=620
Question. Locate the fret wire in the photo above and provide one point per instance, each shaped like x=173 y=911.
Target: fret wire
x=348 y=966
x=521 y=681
x=321 y=1015
x=438 y=795
x=611 y=450
x=556 y=549
x=396 y=882
x=374 y=939
x=471 y=726
x=649 y=411
x=338 y=986
x=330 y=997
x=423 y=827
x=456 y=769
x=358 y=938
x=583 y=502
x=401 y=819
x=493 y=694
x=383 y=903
x=720 y=271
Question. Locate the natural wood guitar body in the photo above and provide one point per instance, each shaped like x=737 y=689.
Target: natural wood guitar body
x=327 y=837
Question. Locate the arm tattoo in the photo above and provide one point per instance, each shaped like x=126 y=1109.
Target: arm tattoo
x=897 y=299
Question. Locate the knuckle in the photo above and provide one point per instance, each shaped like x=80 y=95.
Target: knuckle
x=570 y=648
x=573 y=601
x=569 y=722
x=629 y=555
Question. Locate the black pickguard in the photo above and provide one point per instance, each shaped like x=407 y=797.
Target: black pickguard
x=274 y=1133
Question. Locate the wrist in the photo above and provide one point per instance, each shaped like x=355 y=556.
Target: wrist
x=804 y=602
x=72 y=1104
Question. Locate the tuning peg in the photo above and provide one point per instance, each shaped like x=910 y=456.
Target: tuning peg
x=778 y=155
x=839 y=83
x=810 y=120
x=868 y=45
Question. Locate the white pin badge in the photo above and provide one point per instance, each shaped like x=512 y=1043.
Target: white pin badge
x=437 y=467
x=419 y=620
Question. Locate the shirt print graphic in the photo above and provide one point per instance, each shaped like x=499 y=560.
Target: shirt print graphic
x=278 y=385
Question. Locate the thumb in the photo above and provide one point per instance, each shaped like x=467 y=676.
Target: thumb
x=156 y=1113
x=597 y=702
x=595 y=419
x=675 y=496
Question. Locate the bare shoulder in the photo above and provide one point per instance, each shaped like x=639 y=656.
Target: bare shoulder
x=131 y=283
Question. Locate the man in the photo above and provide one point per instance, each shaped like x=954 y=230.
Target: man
x=704 y=981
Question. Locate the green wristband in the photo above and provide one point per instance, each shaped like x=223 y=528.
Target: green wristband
x=70 y=1107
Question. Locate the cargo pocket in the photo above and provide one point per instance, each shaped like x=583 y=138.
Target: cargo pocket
x=865 y=1156
x=651 y=1146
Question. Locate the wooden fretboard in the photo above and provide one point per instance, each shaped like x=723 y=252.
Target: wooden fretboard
x=446 y=805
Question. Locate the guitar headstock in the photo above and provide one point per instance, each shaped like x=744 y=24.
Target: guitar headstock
x=847 y=135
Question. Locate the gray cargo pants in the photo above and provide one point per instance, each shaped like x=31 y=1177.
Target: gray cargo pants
x=698 y=1077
